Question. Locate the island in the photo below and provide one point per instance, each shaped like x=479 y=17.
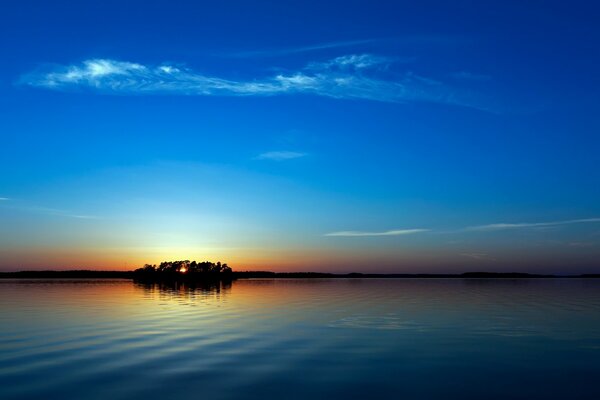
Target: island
x=184 y=270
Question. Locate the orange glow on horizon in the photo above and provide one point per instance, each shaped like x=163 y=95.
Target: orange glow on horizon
x=308 y=259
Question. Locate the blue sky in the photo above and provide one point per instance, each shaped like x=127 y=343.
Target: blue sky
x=347 y=136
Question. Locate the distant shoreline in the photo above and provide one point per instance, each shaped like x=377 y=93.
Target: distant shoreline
x=89 y=274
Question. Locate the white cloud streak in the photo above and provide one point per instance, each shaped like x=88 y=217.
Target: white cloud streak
x=300 y=49
x=396 y=232
x=415 y=40
x=351 y=62
x=356 y=76
x=46 y=210
x=478 y=228
x=478 y=256
x=520 y=225
x=280 y=155
x=60 y=213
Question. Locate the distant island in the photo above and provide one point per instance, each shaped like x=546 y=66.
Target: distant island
x=186 y=270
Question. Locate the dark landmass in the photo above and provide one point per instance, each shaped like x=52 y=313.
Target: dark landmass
x=465 y=275
x=193 y=271
x=183 y=271
x=70 y=274
x=89 y=274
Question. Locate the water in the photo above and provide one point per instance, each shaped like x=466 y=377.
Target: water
x=301 y=339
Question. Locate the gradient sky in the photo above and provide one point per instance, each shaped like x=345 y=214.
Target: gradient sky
x=427 y=136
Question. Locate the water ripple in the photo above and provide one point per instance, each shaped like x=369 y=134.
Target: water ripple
x=298 y=339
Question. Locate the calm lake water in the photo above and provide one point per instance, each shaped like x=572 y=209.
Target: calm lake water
x=301 y=339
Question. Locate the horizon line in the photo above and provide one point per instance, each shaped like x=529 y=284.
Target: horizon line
x=324 y=274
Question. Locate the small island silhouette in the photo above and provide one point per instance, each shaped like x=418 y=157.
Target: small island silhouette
x=184 y=270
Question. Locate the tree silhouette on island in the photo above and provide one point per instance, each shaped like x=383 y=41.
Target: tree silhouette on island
x=184 y=270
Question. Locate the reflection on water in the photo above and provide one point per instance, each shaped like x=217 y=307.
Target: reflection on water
x=330 y=338
x=185 y=290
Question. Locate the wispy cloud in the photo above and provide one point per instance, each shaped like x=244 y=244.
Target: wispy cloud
x=351 y=62
x=355 y=76
x=478 y=256
x=396 y=232
x=580 y=244
x=503 y=226
x=46 y=210
x=79 y=216
x=478 y=228
x=393 y=42
x=299 y=49
x=59 y=213
x=280 y=155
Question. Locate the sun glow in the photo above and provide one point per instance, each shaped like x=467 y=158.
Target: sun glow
x=183 y=270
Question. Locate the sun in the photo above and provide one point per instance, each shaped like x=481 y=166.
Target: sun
x=183 y=270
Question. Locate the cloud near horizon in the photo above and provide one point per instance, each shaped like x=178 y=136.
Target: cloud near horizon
x=478 y=256
x=478 y=228
x=354 y=76
x=396 y=232
x=45 y=210
x=503 y=226
x=59 y=213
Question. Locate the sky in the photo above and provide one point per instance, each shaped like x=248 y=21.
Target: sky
x=335 y=136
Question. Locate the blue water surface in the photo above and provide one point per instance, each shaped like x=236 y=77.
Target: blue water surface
x=301 y=339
